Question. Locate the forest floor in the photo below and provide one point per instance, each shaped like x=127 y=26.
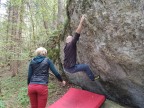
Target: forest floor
x=13 y=92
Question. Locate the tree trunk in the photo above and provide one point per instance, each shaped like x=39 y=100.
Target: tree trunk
x=19 y=35
x=60 y=15
x=32 y=36
x=0 y=87
x=32 y=21
x=14 y=21
x=45 y=17
x=14 y=30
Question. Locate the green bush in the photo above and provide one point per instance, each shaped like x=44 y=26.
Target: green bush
x=22 y=96
x=51 y=86
x=2 y=104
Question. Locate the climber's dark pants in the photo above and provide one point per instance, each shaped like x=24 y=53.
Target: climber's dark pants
x=81 y=67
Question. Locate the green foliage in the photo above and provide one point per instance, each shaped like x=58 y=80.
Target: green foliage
x=39 y=28
x=53 y=54
x=51 y=86
x=14 y=92
x=51 y=89
x=15 y=2
x=22 y=96
x=2 y=104
x=36 y=21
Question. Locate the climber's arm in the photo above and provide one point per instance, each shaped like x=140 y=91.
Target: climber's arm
x=79 y=28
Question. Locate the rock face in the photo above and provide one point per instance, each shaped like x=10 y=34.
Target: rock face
x=112 y=43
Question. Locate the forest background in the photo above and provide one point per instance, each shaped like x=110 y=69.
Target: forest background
x=24 y=26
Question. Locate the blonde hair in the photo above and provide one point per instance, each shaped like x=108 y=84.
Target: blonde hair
x=41 y=51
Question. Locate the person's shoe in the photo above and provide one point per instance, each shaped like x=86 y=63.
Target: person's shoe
x=97 y=77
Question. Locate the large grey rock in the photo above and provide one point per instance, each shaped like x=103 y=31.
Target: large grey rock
x=112 y=43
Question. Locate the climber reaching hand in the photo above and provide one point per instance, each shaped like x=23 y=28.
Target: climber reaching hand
x=70 y=54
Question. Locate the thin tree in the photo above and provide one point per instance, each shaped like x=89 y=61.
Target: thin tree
x=14 y=32
x=60 y=15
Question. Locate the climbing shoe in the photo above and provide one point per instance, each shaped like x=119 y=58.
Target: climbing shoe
x=97 y=77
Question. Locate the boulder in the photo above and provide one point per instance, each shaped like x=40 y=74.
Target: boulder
x=112 y=44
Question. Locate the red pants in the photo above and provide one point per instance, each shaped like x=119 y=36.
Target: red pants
x=38 y=94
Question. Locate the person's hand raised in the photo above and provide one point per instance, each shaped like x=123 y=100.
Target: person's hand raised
x=82 y=18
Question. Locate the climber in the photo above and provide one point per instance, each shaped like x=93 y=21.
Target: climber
x=70 y=54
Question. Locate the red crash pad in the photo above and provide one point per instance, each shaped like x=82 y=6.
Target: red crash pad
x=77 y=98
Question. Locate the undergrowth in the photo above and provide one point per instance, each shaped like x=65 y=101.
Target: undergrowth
x=14 y=90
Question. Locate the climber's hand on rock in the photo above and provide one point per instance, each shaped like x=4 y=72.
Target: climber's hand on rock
x=82 y=18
